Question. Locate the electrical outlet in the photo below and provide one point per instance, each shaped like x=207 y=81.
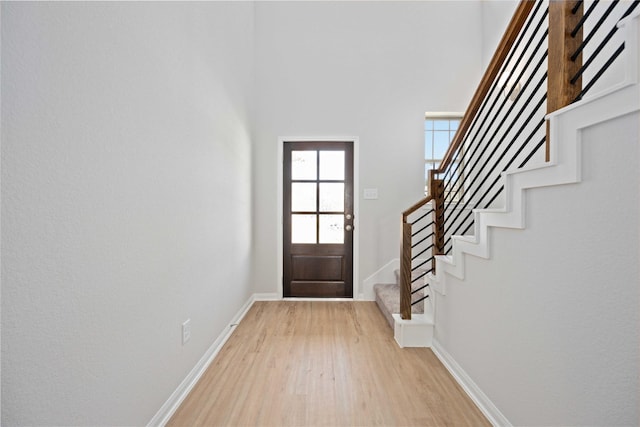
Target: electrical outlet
x=186 y=331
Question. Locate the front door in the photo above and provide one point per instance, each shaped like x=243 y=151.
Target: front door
x=318 y=219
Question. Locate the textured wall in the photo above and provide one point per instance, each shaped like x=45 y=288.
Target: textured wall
x=548 y=326
x=126 y=201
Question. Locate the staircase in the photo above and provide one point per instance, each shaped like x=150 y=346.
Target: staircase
x=465 y=229
x=419 y=331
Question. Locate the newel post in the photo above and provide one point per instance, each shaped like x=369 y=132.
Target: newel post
x=436 y=188
x=405 y=271
x=565 y=39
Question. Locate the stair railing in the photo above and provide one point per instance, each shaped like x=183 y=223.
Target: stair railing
x=537 y=68
x=422 y=240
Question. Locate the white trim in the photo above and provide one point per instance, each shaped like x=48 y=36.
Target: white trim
x=356 y=205
x=481 y=400
x=271 y=296
x=167 y=410
x=305 y=299
x=438 y=114
x=164 y=414
x=280 y=218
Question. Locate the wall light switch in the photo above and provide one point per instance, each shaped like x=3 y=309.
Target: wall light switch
x=370 y=193
x=186 y=331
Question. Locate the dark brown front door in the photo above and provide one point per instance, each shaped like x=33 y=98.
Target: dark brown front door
x=318 y=219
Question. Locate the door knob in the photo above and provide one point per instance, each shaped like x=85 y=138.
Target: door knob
x=349 y=227
x=348 y=216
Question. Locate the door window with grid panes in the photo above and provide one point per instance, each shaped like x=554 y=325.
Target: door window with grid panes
x=438 y=133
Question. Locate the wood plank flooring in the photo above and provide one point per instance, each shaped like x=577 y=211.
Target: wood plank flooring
x=293 y=363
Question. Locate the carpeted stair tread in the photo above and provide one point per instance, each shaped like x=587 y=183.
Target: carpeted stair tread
x=388 y=295
x=388 y=300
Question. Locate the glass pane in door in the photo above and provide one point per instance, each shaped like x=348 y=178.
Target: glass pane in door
x=332 y=197
x=303 y=196
x=331 y=228
x=332 y=165
x=304 y=165
x=303 y=229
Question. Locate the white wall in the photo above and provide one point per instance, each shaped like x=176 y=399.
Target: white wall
x=366 y=69
x=130 y=182
x=496 y=15
x=126 y=201
x=549 y=332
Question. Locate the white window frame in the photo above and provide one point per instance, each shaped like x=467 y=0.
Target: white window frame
x=434 y=116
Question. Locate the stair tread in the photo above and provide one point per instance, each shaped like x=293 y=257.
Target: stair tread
x=388 y=300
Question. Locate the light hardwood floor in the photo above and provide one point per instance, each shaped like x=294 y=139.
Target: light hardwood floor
x=293 y=363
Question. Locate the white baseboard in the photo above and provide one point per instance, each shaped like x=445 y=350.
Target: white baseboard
x=177 y=397
x=167 y=410
x=266 y=297
x=483 y=402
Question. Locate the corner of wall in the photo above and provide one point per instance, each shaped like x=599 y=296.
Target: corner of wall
x=174 y=401
x=384 y=274
x=476 y=394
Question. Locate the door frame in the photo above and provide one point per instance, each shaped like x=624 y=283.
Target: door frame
x=356 y=210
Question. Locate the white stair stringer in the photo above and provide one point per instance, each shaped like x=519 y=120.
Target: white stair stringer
x=566 y=127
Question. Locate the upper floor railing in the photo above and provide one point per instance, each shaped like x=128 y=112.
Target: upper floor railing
x=552 y=54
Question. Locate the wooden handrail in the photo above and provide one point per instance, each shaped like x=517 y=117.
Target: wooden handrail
x=415 y=207
x=436 y=187
x=405 y=258
x=422 y=202
x=561 y=91
x=436 y=194
x=509 y=37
